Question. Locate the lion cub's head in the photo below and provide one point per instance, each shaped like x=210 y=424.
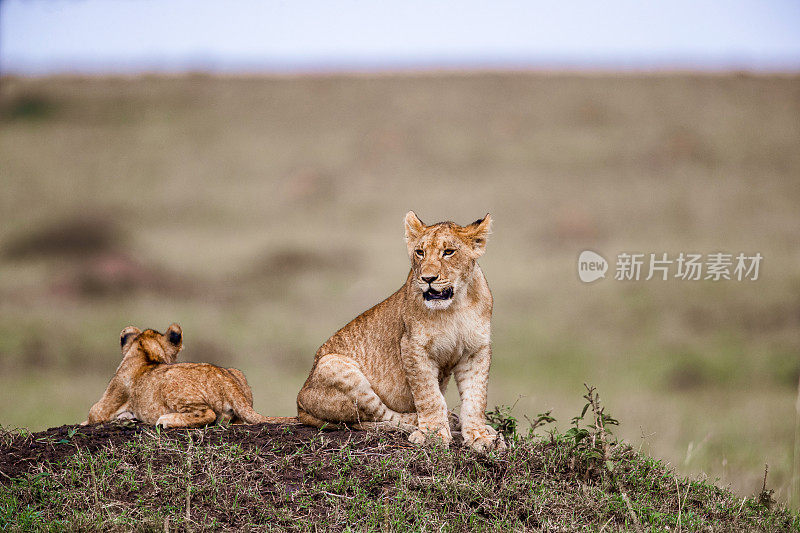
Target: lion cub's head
x=151 y=345
x=443 y=257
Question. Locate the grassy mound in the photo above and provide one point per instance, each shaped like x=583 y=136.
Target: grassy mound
x=127 y=476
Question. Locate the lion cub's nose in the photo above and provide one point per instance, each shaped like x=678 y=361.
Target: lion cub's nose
x=429 y=279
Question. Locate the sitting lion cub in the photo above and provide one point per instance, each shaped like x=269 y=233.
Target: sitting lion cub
x=391 y=364
x=150 y=386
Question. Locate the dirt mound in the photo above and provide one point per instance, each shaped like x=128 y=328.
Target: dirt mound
x=274 y=477
x=22 y=452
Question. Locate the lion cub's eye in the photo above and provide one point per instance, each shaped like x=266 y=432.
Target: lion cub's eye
x=419 y=252
x=447 y=252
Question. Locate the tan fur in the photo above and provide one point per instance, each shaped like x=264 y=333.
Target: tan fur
x=150 y=386
x=391 y=364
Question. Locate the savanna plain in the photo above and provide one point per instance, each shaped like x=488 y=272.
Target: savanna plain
x=263 y=213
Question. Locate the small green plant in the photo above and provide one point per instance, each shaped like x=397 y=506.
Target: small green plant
x=70 y=435
x=540 y=420
x=592 y=450
x=765 y=496
x=501 y=419
x=598 y=429
x=589 y=441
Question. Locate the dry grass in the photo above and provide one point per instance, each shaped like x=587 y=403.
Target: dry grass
x=264 y=213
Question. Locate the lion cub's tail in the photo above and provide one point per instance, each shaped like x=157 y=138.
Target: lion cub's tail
x=249 y=415
x=282 y=420
x=242 y=399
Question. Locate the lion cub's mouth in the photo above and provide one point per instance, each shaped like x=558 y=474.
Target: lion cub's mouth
x=433 y=294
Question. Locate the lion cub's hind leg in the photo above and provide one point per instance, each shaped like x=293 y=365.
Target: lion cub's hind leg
x=238 y=375
x=198 y=416
x=339 y=392
x=244 y=387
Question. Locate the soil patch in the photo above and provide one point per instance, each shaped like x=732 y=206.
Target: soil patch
x=21 y=452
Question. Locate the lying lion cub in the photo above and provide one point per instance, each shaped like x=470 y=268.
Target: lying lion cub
x=150 y=386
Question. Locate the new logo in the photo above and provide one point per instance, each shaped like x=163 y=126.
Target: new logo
x=591 y=266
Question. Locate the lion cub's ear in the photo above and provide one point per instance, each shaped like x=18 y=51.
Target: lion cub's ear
x=127 y=335
x=174 y=338
x=414 y=226
x=175 y=335
x=476 y=233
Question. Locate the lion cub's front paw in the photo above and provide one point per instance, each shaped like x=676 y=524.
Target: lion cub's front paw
x=430 y=436
x=483 y=439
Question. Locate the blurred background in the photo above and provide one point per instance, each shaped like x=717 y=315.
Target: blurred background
x=243 y=168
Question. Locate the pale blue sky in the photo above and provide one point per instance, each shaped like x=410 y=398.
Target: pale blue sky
x=39 y=36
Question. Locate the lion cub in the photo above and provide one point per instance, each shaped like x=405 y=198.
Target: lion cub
x=391 y=364
x=150 y=386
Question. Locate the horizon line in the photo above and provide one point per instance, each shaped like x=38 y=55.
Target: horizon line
x=331 y=66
